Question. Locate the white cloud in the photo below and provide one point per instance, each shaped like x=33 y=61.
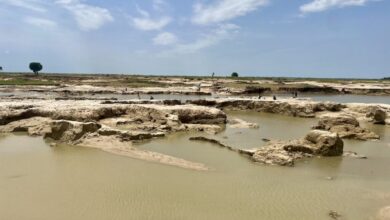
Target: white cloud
x=40 y=22
x=33 y=5
x=141 y=11
x=221 y=33
x=322 y=5
x=224 y=10
x=148 y=24
x=88 y=17
x=165 y=38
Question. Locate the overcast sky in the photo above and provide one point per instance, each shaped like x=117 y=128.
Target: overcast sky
x=315 y=38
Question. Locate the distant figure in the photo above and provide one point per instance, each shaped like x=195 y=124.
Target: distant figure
x=274 y=98
x=199 y=86
x=259 y=96
x=139 y=97
x=151 y=98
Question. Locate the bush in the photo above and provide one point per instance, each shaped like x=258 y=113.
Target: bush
x=234 y=74
x=35 y=67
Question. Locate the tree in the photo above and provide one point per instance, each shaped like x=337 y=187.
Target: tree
x=234 y=74
x=35 y=67
x=1 y=68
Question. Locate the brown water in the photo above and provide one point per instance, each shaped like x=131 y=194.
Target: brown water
x=39 y=182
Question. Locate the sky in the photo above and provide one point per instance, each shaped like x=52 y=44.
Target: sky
x=297 y=38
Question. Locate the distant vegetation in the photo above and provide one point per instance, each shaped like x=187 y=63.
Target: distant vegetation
x=26 y=82
x=35 y=67
x=234 y=74
x=1 y=68
x=386 y=78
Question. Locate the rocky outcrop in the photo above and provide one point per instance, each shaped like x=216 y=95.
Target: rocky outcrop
x=213 y=141
x=35 y=126
x=325 y=143
x=203 y=115
x=210 y=129
x=355 y=155
x=377 y=115
x=346 y=127
x=118 y=142
x=316 y=142
x=90 y=110
x=286 y=153
x=70 y=131
x=239 y=123
x=110 y=127
x=294 y=108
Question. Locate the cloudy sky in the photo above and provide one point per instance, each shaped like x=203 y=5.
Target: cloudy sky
x=317 y=38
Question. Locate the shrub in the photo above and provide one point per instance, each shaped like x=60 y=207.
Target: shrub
x=35 y=67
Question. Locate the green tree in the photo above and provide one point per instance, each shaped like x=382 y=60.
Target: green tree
x=234 y=74
x=35 y=67
x=1 y=68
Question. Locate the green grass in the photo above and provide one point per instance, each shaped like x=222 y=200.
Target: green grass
x=26 y=82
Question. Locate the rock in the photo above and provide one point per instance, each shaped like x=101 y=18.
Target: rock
x=346 y=127
x=239 y=123
x=299 y=146
x=172 y=102
x=248 y=152
x=70 y=131
x=285 y=153
x=353 y=155
x=200 y=115
x=265 y=139
x=334 y=215
x=202 y=102
x=379 y=116
x=327 y=122
x=213 y=141
x=210 y=129
x=325 y=143
x=384 y=213
x=273 y=155
x=35 y=126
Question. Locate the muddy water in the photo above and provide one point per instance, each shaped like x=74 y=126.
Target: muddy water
x=39 y=182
